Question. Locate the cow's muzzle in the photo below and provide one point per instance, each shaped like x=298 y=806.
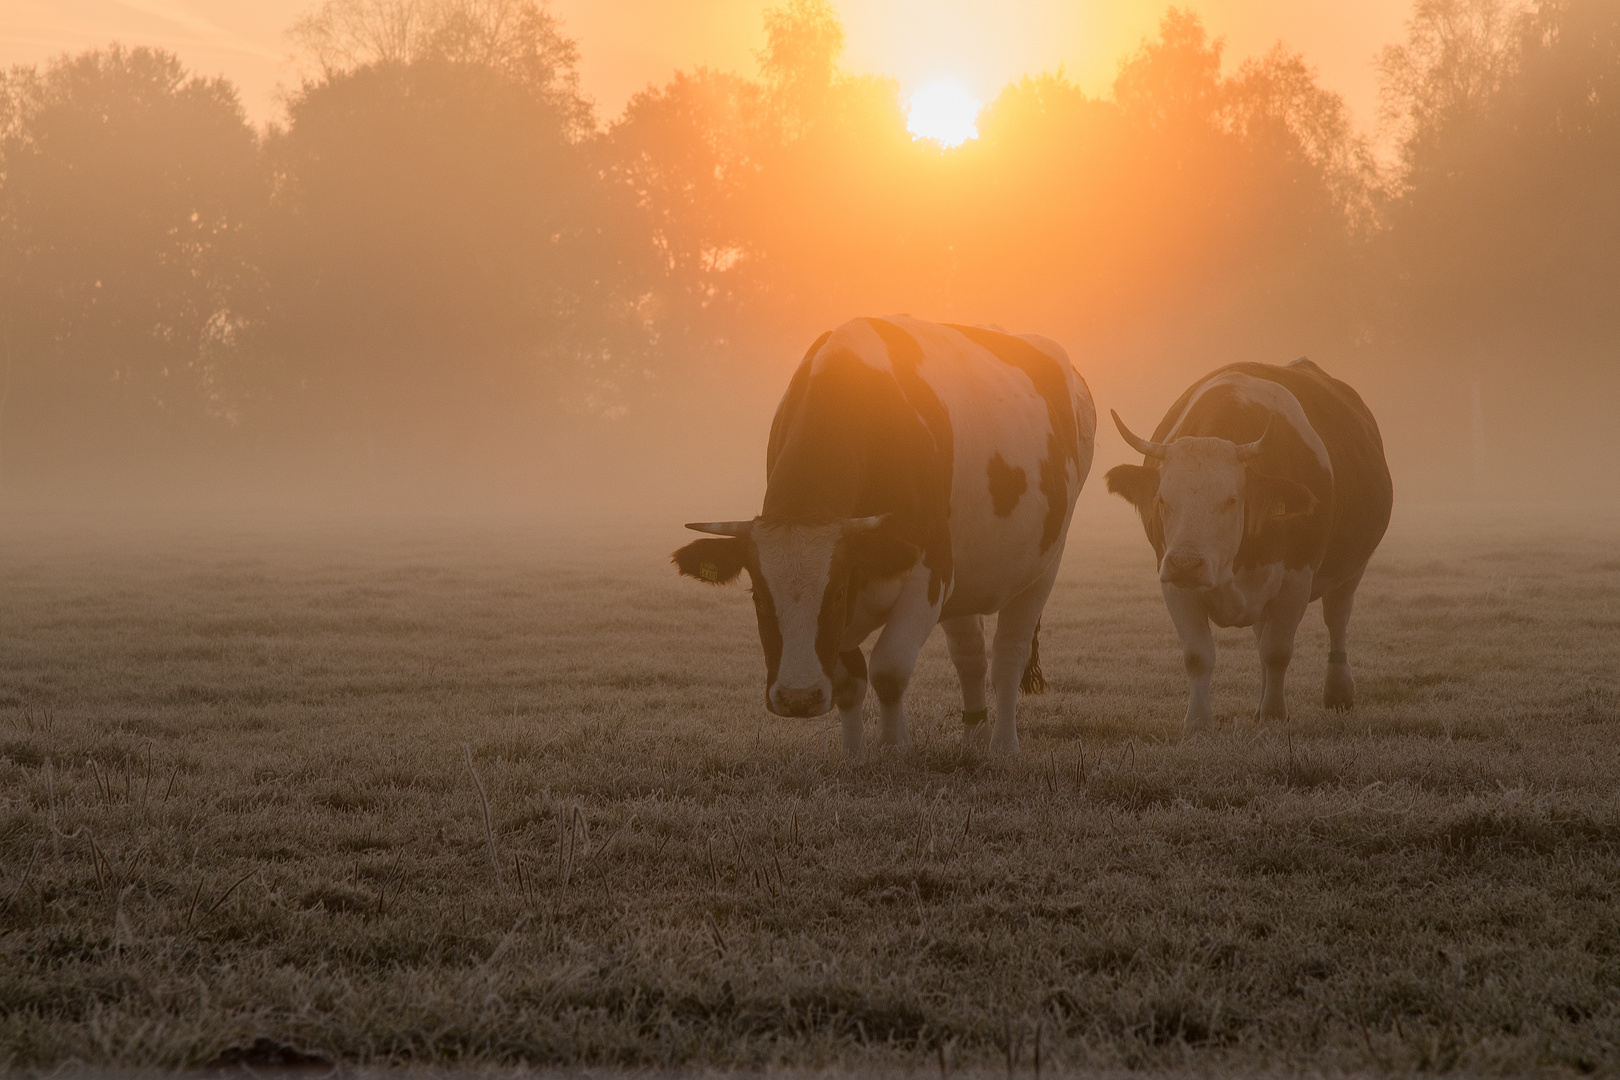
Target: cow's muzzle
x=1186 y=571
x=790 y=701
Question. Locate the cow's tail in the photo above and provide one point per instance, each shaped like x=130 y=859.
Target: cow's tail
x=1034 y=682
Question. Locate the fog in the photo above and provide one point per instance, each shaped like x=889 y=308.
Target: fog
x=441 y=283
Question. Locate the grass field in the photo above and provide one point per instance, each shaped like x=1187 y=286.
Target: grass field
x=236 y=802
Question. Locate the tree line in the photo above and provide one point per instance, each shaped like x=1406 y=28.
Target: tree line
x=440 y=263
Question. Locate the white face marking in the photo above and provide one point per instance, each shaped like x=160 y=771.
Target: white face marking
x=1201 y=489
x=796 y=563
x=1202 y=486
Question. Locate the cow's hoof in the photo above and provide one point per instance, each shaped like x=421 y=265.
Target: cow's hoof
x=1198 y=725
x=1004 y=747
x=895 y=736
x=1339 y=691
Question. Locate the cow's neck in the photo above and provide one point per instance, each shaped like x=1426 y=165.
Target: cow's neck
x=812 y=496
x=819 y=476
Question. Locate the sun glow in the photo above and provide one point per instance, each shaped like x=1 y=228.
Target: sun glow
x=943 y=111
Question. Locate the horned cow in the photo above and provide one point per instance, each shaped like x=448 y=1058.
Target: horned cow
x=917 y=473
x=1263 y=488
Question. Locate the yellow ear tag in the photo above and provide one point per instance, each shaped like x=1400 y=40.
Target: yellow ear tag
x=709 y=572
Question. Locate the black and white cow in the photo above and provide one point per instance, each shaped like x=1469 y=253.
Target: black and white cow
x=1263 y=489
x=917 y=474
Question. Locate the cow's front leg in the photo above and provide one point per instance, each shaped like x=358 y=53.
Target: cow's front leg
x=964 y=637
x=1197 y=652
x=1339 y=689
x=895 y=655
x=849 y=694
x=1275 y=634
x=893 y=658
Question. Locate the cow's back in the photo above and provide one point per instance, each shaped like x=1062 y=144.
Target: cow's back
x=898 y=416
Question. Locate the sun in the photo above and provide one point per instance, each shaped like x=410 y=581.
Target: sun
x=943 y=111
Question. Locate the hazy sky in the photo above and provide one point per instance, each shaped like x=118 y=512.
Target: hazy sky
x=626 y=44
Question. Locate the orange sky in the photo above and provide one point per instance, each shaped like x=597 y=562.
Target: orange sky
x=626 y=44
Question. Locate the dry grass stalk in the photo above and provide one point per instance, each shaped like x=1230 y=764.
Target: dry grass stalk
x=28 y=870
x=50 y=803
x=483 y=801
x=389 y=880
x=576 y=826
x=103 y=790
x=226 y=895
x=720 y=946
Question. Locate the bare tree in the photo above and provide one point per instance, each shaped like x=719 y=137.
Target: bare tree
x=519 y=38
x=344 y=34
x=1458 y=56
x=803 y=42
x=1278 y=93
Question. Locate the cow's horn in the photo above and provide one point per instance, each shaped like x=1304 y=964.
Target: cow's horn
x=1141 y=446
x=864 y=524
x=721 y=528
x=1248 y=451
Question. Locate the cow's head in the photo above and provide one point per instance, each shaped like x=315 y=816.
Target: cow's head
x=1206 y=496
x=803 y=577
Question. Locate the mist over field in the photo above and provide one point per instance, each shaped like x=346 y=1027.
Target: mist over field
x=442 y=278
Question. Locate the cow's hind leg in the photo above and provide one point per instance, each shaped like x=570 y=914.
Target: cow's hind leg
x=849 y=694
x=1015 y=638
x=1339 y=689
x=964 y=637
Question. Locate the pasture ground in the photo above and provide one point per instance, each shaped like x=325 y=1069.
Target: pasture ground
x=235 y=802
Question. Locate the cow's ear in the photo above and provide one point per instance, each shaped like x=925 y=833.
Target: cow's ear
x=715 y=559
x=879 y=556
x=1274 y=498
x=1136 y=484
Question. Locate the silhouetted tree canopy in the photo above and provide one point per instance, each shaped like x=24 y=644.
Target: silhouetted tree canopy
x=1507 y=207
x=440 y=262
x=448 y=260
x=130 y=193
